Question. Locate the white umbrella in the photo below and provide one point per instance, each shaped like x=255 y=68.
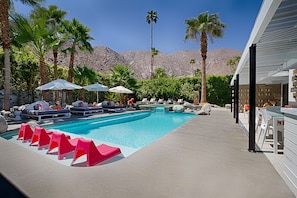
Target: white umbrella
x=59 y=84
x=96 y=87
x=120 y=89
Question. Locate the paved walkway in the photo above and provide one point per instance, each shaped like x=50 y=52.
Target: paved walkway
x=207 y=157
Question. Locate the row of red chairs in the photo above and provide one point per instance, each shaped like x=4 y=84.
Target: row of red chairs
x=65 y=145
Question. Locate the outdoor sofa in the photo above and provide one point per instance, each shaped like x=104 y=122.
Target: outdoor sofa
x=40 y=110
x=111 y=107
x=81 y=107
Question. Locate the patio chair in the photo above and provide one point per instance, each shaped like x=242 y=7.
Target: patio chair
x=153 y=100
x=266 y=125
x=258 y=118
x=144 y=100
x=170 y=101
x=161 y=101
x=41 y=136
x=205 y=110
x=180 y=101
x=25 y=132
x=95 y=154
x=64 y=144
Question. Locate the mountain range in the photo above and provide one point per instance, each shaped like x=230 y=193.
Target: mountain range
x=102 y=59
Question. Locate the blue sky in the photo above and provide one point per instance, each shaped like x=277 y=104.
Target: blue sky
x=121 y=24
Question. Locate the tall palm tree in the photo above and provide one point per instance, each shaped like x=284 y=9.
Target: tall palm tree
x=54 y=18
x=40 y=39
x=203 y=27
x=5 y=36
x=78 y=35
x=150 y=19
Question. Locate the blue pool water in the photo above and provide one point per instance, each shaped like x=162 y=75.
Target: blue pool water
x=134 y=130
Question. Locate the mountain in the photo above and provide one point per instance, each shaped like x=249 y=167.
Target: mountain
x=178 y=64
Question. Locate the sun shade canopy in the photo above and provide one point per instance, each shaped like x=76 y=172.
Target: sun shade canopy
x=275 y=36
x=59 y=84
x=120 y=89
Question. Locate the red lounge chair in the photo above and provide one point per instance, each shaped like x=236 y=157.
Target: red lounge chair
x=25 y=132
x=63 y=142
x=41 y=136
x=95 y=154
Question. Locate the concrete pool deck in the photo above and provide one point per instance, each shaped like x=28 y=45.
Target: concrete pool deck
x=206 y=157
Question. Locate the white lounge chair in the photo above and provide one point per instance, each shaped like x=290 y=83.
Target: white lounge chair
x=205 y=110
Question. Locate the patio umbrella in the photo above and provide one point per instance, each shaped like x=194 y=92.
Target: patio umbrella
x=96 y=87
x=121 y=90
x=58 y=85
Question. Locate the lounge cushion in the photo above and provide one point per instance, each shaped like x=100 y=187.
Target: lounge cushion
x=38 y=105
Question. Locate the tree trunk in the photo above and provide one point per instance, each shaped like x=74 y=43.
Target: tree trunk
x=6 y=102
x=152 y=61
x=55 y=53
x=70 y=73
x=203 y=43
x=5 y=37
x=44 y=78
x=203 y=82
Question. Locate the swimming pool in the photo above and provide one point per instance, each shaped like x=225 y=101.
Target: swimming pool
x=134 y=130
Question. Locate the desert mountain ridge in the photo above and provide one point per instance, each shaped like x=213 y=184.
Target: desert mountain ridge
x=177 y=64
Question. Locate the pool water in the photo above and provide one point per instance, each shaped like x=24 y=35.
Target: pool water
x=133 y=130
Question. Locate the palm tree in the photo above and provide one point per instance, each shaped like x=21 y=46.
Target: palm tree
x=122 y=75
x=203 y=27
x=39 y=37
x=5 y=36
x=150 y=19
x=197 y=72
x=233 y=63
x=160 y=73
x=192 y=62
x=84 y=76
x=78 y=34
x=54 y=18
x=154 y=52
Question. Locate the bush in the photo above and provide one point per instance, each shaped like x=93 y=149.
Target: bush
x=218 y=89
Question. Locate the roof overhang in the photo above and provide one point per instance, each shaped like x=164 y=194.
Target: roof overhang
x=275 y=36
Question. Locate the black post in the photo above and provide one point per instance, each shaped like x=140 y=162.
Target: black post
x=252 y=99
x=237 y=98
x=232 y=97
x=235 y=106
